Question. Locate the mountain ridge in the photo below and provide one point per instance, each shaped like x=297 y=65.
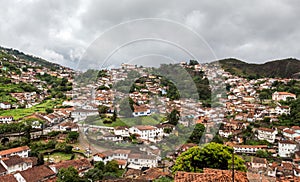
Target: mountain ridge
x=281 y=68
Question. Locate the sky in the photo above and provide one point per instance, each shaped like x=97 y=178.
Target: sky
x=73 y=32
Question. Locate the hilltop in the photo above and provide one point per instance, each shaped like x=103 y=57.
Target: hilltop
x=284 y=68
x=16 y=54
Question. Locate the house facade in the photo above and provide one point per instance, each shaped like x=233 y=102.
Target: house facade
x=287 y=148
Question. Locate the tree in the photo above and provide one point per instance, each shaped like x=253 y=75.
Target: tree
x=114 y=116
x=263 y=154
x=197 y=133
x=69 y=174
x=173 y=117
x=72 y=136
x=49 y=110
x=102 y=109
x=210 y=155
x=126 y=107
x=111 y=166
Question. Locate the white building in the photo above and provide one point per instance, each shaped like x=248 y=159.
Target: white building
x=5 y=105
x=287 y=148
x=141 y=111
x=121 y=156
x=277 y=96
x=20 y=151
x=6 y=119
x=225 y=133
x=280 y=110
x=122 y=131
x=257 y=162
x=249 y=149
x=146 y=132
x=15 y=163
x=141 y=160
x=267 y=134
x=290 y=134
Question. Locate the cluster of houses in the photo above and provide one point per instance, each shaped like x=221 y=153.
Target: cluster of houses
x=16 y=166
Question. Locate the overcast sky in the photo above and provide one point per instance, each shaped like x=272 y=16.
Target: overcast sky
x=62 y=31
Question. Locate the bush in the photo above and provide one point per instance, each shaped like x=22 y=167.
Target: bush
x=107 y=121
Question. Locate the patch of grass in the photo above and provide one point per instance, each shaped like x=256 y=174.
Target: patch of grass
x=20 y=113
x=146 y=120
x=58 y=156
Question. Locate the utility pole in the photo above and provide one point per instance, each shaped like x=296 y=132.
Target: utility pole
x=233 y=166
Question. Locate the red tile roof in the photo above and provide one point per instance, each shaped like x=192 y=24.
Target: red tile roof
x=14 y=150
x=37 y=174
x=210 y=175
x=8 y=178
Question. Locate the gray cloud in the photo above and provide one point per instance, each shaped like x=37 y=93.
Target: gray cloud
x=61 y=31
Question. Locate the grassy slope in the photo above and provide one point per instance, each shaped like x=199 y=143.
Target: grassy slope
x=20 y=113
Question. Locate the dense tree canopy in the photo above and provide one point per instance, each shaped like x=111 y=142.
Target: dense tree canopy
x=210 y=155
x=173 y=117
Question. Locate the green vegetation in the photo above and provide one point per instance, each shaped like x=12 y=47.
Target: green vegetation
x=294 y=118
x=285 y=68
x=197 y=133
x=145 y=120
x=126 y=107
x=184 y=83
x=21 y=55
x=69 y=174
x=210 y=155
x=20 y=113
x=58 y=156
x=101 y=171
x=7 y=87
x=173 y=117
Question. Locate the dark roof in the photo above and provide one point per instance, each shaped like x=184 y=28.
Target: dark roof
x=13 y=160
x=80 y=164
x=38 y=173
x=8 y=178
x=215 y=175
x=2 y=168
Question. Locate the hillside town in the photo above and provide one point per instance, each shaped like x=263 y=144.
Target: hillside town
x=134 y=123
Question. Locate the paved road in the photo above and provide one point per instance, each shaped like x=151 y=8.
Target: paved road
x=84 y=143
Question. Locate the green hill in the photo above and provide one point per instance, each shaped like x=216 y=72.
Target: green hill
x=23 y=56
x=284 y=68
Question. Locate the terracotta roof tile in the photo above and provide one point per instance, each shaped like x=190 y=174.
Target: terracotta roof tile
x=8 y=178
x=38 y=173
x=13 y=150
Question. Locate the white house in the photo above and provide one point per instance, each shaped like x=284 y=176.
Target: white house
x=6 y=119
x=111 y=137
x=142 y=110
x=277 y=96
x=280 y=110
x=142 y=160
x=15 y=163
x=122 y=131
x=121 y=156
x=287 y=148
x=5 y=105
x=290 y=134
x=146 y=132
x=257 y=162
x=267 y=134
x=68 y=126
x=225 y=133
x=20 y=151
x=249 y=149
